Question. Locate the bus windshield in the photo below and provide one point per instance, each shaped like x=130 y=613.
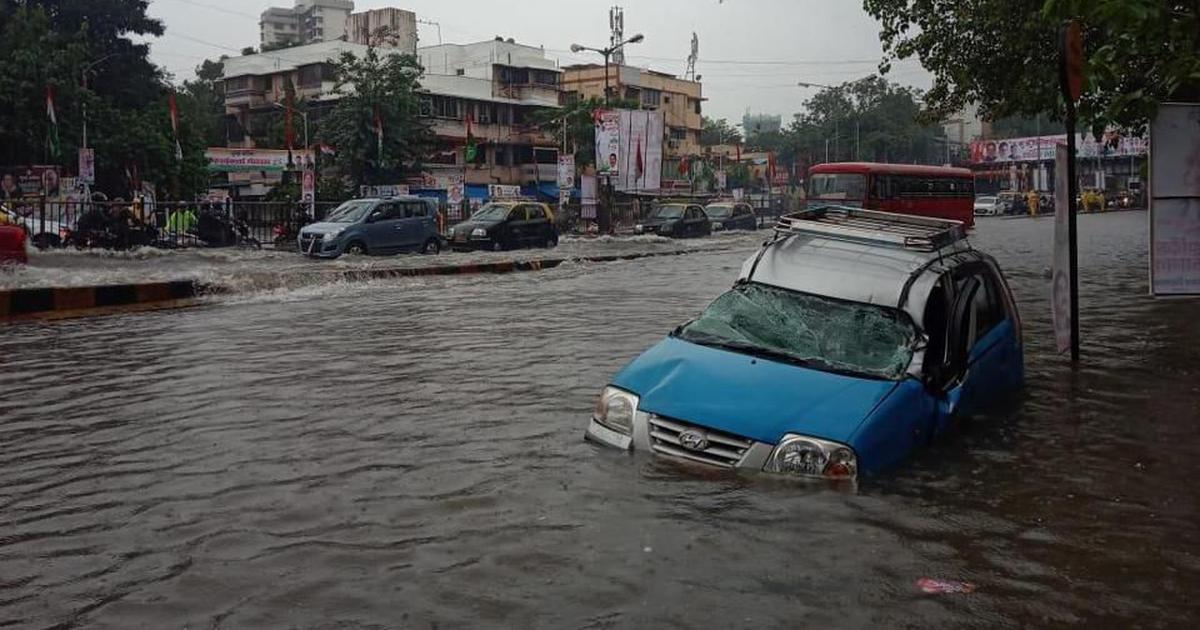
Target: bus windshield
x=848 y=186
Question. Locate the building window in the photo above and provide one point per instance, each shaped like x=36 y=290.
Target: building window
x=485 y=112
x=426 y=107
x=523 y=154
x=460 y=71
x=666 y=99
x=696 y=101
x=500 y=155
x=651 y=98
x=678 y=133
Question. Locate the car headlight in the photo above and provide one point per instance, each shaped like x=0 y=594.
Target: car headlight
x=480 y=232
x=812 y=457
x=639 y=228
x=332 y=234
x=717 y=225
x=615 y=410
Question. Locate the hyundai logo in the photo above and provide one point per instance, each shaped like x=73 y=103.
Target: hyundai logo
x=693 y=440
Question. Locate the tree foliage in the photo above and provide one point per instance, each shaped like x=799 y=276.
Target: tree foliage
x=714 y=132
x=580 y=129
x=384 y=83
x=59 y=42
x=1003 y=54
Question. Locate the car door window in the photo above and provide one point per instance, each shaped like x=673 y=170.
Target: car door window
x=987 y=307
x=388 y=211
x=535 y=213
x=517 y=214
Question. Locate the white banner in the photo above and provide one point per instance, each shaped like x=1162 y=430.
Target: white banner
x=641 y=134
x=608 y=142
x=587 y=192
x=1175 y=200
x=1060 y=288
x=503 y=191
x=455 y=194
x=566 y=171
x=383 y=190
x=87 y=166
x=308 y=187
x=222 y=159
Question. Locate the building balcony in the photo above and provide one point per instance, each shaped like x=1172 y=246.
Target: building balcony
x=491 y=132
x=245 y=97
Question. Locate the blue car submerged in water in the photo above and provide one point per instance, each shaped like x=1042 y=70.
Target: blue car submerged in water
x=850 y=339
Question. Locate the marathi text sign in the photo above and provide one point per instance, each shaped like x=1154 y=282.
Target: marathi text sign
x=224 y=160
x=1175 y=200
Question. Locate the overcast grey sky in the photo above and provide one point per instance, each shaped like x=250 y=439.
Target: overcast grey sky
x=752 y=52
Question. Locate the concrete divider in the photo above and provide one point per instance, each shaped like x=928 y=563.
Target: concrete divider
x=26 y=303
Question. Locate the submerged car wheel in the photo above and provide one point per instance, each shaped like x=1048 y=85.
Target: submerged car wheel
x=357 y=248
x=432 y=246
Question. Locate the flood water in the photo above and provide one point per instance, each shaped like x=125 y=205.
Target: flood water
x=409 y=454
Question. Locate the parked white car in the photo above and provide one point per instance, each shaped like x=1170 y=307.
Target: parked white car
x=986 y=205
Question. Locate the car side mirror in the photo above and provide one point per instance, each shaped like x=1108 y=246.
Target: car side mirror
x=374 y=216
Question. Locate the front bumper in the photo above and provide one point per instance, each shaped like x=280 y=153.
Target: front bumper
x=318 y=246
x=470 y=243
x=659 y=436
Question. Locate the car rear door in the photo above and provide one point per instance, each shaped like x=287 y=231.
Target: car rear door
x=412 y=220
x=696 y=220
x=538 y=230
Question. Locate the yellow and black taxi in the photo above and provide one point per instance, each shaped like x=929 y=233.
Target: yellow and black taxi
x=502 y=225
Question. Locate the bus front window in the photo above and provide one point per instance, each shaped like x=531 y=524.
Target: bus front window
x=840 y=186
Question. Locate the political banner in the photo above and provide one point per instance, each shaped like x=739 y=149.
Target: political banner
x=503 y=191
x=455 y=193
x=1042 y=148
x=566 y=171
x=1175 y=200
x=608 y=142
x=721 y=179
x=87 y=166
x=226 y=160
x=309 y=187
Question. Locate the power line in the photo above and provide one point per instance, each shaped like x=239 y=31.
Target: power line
x=213 y=7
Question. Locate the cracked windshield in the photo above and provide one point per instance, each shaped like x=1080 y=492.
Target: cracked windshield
x=556 y=314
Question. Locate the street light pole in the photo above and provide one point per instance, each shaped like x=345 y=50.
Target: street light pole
x=607 y=53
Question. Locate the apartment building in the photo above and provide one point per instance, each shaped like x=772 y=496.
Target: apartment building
x=390 y=28
x=307 y=22
x=679 y=99
x=498 y=86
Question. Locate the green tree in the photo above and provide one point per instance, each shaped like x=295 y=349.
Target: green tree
x=580 y=130
x=870 y=119
x=206 y=100
x=1003 y=54
x=387 y=85
x=718 y=131
x=57 y=43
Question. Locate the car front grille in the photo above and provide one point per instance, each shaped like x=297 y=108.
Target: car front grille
x=311 y=242
x=723 y=449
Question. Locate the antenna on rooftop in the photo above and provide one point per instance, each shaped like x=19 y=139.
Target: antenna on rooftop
x=690 y=73
x=616 y=22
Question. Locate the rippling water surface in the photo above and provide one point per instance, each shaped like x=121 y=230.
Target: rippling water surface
x=409 y=454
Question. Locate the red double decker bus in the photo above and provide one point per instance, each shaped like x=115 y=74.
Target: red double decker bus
x=931 y=191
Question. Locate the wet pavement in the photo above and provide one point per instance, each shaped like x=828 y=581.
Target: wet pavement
x=409 y=453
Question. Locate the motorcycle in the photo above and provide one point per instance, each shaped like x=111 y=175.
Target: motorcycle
x=286 y=232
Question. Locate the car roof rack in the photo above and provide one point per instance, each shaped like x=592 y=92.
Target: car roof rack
x=873 y=227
